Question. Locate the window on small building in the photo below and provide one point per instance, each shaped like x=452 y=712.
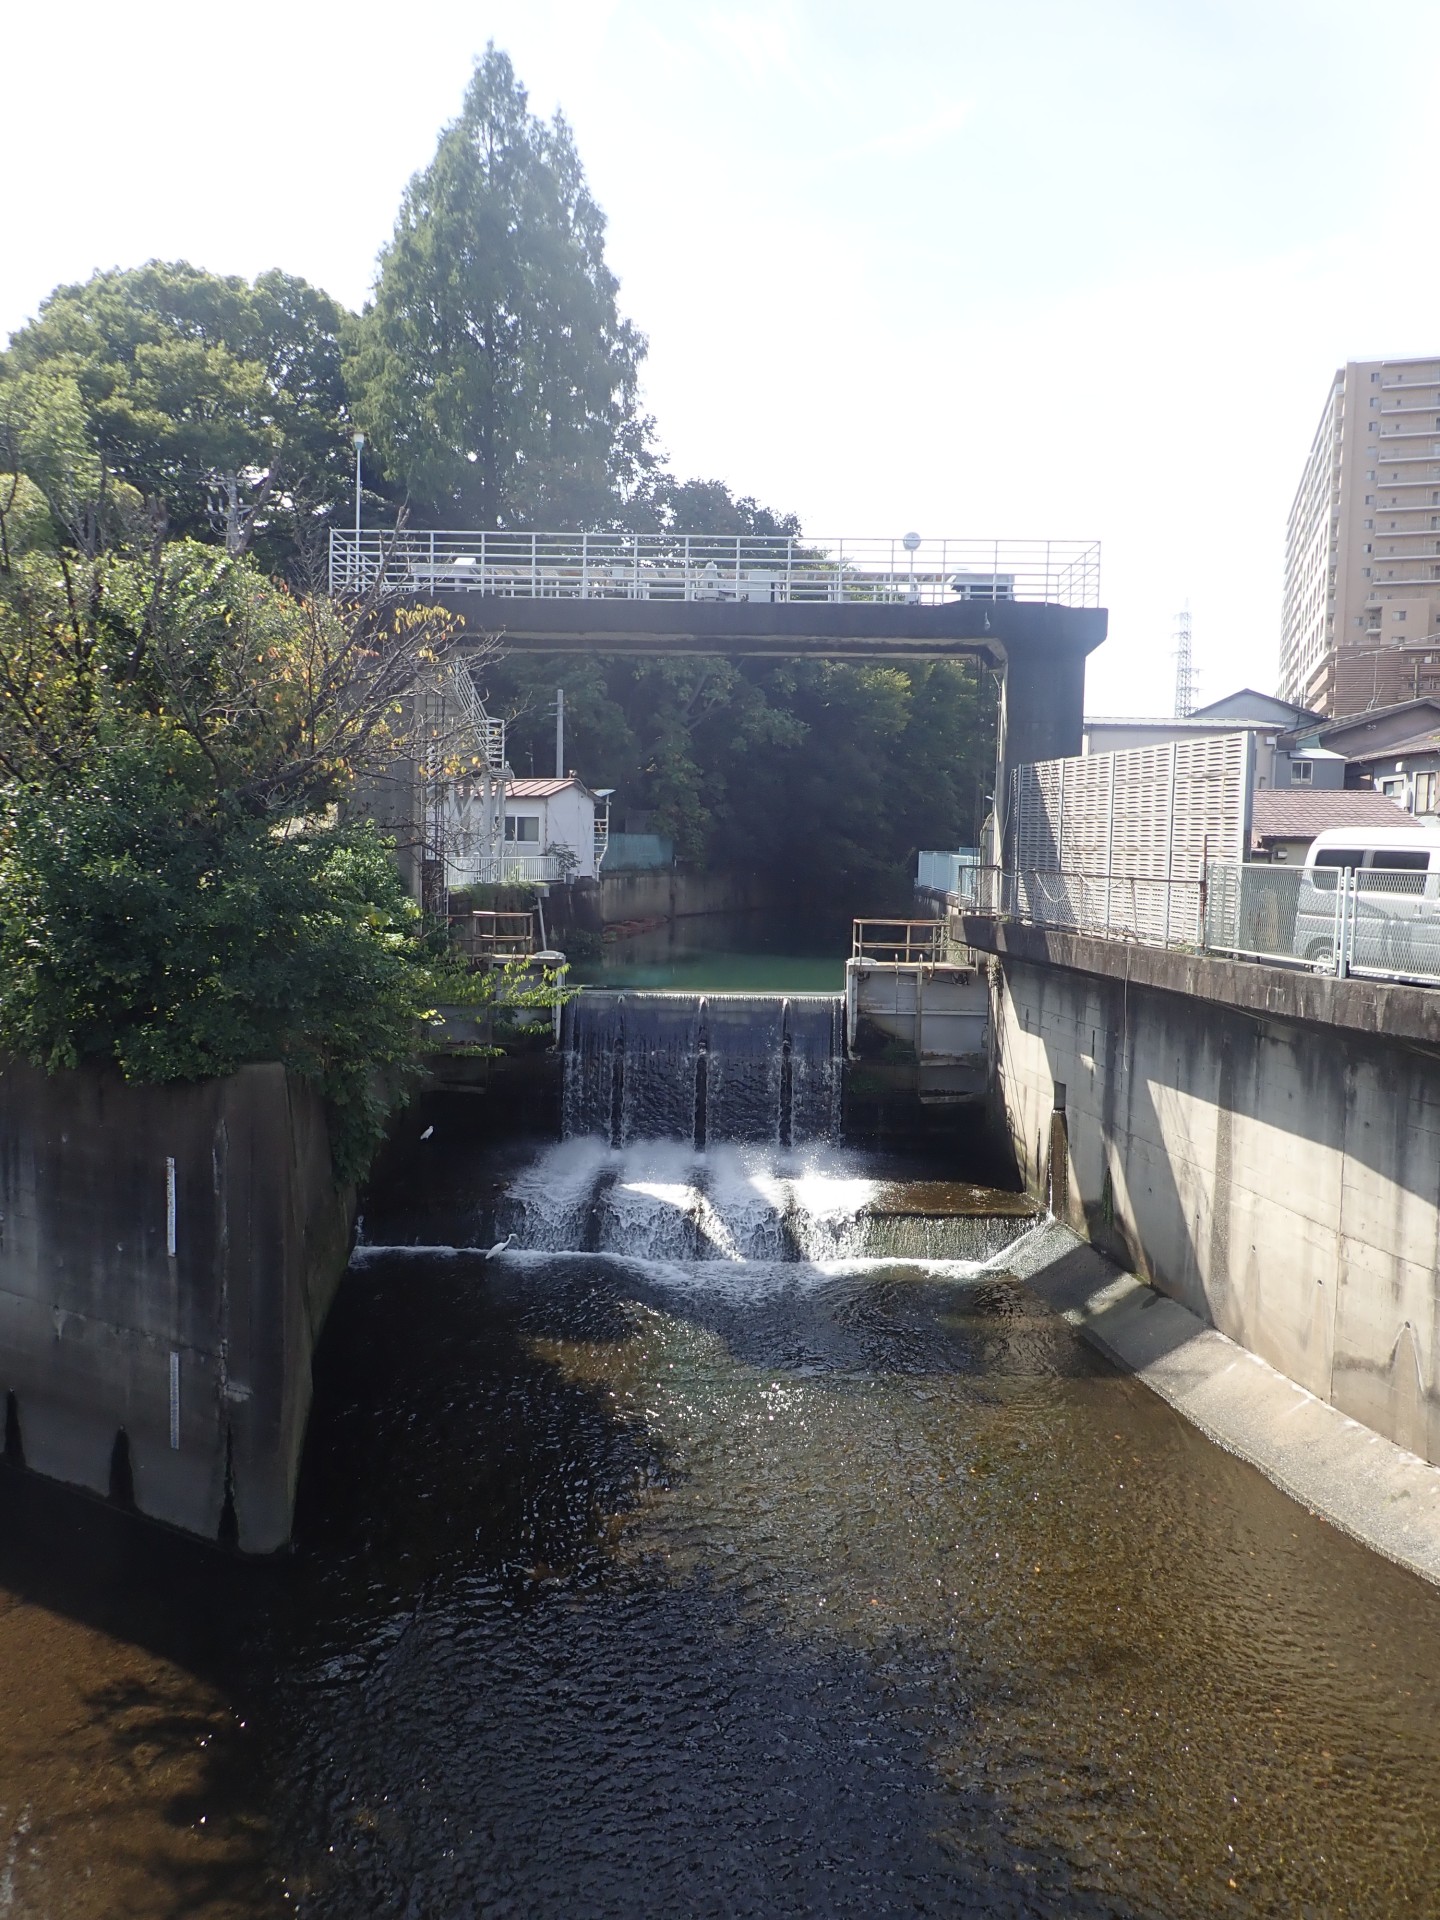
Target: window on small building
x=1398 y=616
x=1302 y=773
x=523 y=826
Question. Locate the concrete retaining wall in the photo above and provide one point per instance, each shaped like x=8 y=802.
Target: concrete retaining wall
x=1278 y=1175
x=167 y=1258
x=672 y=893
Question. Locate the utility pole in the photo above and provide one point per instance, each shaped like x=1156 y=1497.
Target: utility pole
x=1184 y=666
x=559 y=733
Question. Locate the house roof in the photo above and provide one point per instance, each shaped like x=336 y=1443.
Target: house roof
x=541 y=789
x=1397 y=749
x=1289 y=813
x=1248 y=704
x=1377 y=721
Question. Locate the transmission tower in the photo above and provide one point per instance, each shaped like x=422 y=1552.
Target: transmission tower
x=1184 y=666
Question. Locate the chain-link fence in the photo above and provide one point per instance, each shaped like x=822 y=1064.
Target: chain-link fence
x=1379 y=923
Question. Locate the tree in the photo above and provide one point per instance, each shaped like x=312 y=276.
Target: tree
x=708 y=507
x=493 y=370
x=178 y=892
x=220 y=401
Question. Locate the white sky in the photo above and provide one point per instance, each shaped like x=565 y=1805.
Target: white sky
x=1040 y=268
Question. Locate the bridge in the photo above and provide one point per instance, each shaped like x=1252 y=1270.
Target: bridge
x=1029 y=609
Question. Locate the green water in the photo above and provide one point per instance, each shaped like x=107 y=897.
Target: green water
x=719 y=971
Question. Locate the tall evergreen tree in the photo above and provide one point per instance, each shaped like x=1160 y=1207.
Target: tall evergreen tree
x=494 y=370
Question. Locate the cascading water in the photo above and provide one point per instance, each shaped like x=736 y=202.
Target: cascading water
x=764 y=1068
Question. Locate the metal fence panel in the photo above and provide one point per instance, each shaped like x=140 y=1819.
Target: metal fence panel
x=655 y=566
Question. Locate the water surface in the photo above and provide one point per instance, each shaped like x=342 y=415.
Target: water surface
x=709 y=1582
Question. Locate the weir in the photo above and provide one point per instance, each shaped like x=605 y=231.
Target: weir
x=701 y=1067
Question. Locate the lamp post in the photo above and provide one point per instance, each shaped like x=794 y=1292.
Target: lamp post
x=910 y=543
x=359 y=449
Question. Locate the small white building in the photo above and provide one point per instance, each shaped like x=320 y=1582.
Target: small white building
x=549 y=830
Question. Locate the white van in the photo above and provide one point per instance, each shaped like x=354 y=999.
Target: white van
x=1397 y=903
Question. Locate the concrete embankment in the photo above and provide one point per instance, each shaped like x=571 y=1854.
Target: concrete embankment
x=1380 y=1494
x=167 y=1258
x=1258 y=1145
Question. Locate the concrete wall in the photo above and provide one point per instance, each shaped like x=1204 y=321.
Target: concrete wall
x=673 y=893
x=103 y=1326
x=1254 y=1143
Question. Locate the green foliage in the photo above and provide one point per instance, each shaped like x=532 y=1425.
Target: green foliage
x=494 y=371
x=827 y=776
x=26 y=522
x=141 y=928
x=176 y=896
x=285 y=698
x=219 y=400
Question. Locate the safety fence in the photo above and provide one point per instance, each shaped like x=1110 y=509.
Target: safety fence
x=1377 y=923
x=649 y=566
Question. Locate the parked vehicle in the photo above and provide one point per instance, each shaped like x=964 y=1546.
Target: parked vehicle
x=1396 y=911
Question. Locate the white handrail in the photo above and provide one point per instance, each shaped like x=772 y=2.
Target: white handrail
x=728 y=568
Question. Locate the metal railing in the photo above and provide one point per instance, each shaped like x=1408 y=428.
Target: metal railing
x=1157 y=912
x=505 y=869
x=713 y=567
x=486 y=935
x=904 y=943
x=1371 y=923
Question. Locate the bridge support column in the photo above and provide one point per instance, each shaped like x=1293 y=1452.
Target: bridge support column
x=1042 y=712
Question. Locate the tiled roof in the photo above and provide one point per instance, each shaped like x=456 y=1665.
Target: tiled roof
x=1288 y=813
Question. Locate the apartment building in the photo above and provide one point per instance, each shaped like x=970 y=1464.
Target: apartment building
x=1362 y=547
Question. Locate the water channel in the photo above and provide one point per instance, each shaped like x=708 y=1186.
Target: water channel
x=740 y=1541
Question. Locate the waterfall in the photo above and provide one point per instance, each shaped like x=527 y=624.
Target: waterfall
x=704 y=1068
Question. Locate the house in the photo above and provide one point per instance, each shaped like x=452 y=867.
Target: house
x=1283 y=822
x=1267 y=719
x=1394 y=751
x=550 y=829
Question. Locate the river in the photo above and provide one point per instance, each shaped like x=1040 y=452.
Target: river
x=740 y=1541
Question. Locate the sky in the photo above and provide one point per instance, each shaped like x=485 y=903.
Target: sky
x=1034 y=270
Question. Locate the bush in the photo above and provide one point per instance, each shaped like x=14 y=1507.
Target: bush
x=141 y=926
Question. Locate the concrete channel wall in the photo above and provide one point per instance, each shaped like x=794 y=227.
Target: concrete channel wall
x=167 y=1258
x=1263 y=1146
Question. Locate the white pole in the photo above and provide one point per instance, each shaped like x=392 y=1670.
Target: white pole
x=359 y=448
x=559 y=733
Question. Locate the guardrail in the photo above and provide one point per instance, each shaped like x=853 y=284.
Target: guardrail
x=500 y=870
x=652 y=566
x=900 y=942
x=1374 y=923
x=487 y=935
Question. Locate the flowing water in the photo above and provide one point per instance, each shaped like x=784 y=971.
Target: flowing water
x=740 y=1541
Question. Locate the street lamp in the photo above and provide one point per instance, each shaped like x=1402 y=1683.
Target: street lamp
x=910 y=543
x=359 y=449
